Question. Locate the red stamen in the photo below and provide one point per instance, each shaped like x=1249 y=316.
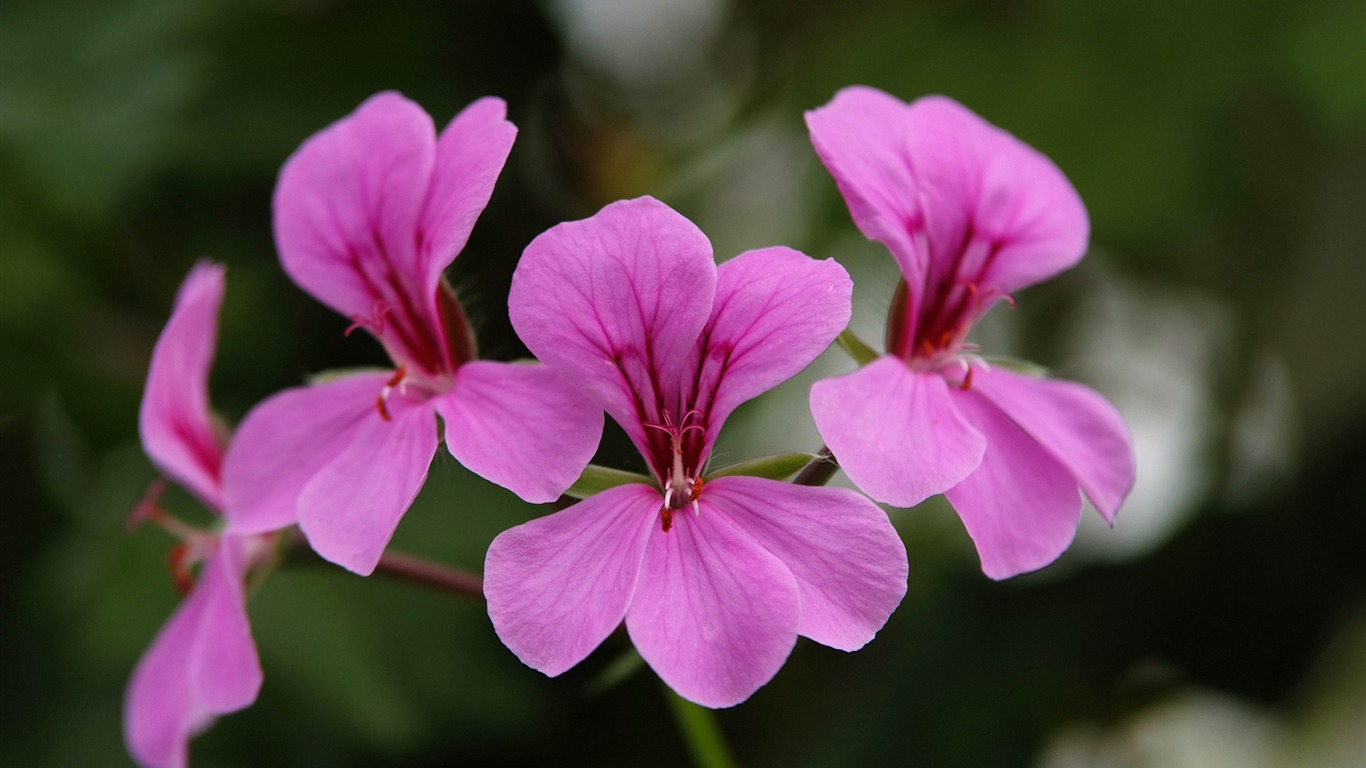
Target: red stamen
x=967 y=381
x=149 y=508
x=376 y=323
x=666 y=516
x=696 y=490
x=177 y=560
x=382 y=401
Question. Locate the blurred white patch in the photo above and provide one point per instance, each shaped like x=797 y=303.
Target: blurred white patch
x=1195 y=730
x=1154 y=351
x=755 y=190
x=1264 y=436
x=640 y=43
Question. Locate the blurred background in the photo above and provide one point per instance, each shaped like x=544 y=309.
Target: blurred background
x=1220 y=147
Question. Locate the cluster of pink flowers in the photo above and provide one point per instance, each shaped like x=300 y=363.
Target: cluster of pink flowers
x=628 y=313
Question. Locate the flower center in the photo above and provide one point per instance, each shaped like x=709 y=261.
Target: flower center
x=681 y=485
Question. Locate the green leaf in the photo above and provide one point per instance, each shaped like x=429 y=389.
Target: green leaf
x=621 y=668
x=856 y=348
x=1018 y=366
x=700 y=732
x=597 y=479
x=778 y=466
x=332 y=374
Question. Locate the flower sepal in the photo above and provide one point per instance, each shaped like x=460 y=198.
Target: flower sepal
x=777 y=466
x=596 y=479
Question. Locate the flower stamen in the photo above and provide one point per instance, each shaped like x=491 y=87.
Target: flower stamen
x=382 y=400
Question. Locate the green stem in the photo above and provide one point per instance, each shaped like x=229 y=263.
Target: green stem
x=397 y=565
x=700 y=732
x=416 y=570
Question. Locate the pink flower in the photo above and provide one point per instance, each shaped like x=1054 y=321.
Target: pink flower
x=971 y=214
x=203 y=662
x=715 y=582
x=368 y=214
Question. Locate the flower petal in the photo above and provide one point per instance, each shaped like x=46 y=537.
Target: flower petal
x=351 y=507
x=202 y=664
x=558 y=585
x=895 y=432
x=714 y=614
x=848 y=560
x=285 y=441
x=776 y=310
x=175 y=422
x=1021 y=506
x=614 y=304
x=469 y=156
x=347 y=208
x=860 y=136
x=956 y=200
x=1073 y=423
x=980 y=182
x=520 y=426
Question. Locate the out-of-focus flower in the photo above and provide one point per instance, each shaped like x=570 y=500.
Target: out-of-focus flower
x=971 y=214
x=203 y=661
x=368 y=214
x=715 y=582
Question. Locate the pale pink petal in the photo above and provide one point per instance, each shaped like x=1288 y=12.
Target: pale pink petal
x=954 y=198
x=285 y=441
x=1074 y=424
x=176 y=425
x=1020 y=505
x=469 y=156
x=558 y=585
x=201 y=664
x=860 y=136
x=351 y=507
x=895 y=432
x=848 y=560
x=775 y=311
x=520 y=426
x=614 y=303
x=999 y=214
x=346 y=212
x=715 y=614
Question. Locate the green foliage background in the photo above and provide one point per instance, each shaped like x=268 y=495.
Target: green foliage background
x=1221 y=150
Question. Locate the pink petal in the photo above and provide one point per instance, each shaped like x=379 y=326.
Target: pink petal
x=849 y=562
x=860 y=136
x=895 y=432
x=175 y=422
x=979 y=182
x=1021 y=506
x=202 y=664
x=714 y=613
x=558 y=585
x=351 y=507
x=520 y=426
x=285 y=441
x=347 y=208
x=935 y=183
x=614 y=303
x=469 y=156
x=776 y=310
x=1074 y=424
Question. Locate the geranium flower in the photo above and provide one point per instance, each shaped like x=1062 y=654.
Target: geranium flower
x=715 y=582
x=368 y=214
x=971 y=214
x=203 y=661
